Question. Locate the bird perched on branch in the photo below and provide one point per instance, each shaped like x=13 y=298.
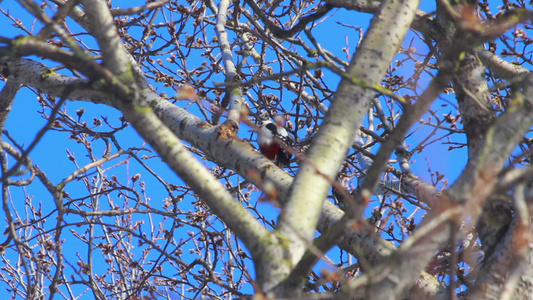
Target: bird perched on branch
x=273 y=140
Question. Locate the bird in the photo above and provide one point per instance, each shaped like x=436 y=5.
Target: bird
x=273 y=140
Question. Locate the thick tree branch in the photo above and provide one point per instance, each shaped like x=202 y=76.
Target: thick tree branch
x=462 y=200
x=340 y=127
x=7 y=96
x=209 y=189
x=235 y=93
x=103 y=29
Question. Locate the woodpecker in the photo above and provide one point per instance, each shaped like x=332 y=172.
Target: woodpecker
x=271 y=137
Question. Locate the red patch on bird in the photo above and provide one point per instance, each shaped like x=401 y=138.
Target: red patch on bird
x=270 y=151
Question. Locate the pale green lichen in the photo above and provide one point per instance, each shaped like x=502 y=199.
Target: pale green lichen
x=275 y=240
x=16 y=43
x=127 y=76
x=142 y=108
x=48 y=73
x=237 y=92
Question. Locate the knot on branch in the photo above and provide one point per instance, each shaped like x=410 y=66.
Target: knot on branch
x=228 y=130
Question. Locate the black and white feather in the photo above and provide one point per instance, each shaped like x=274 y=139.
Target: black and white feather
x=273 y=140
